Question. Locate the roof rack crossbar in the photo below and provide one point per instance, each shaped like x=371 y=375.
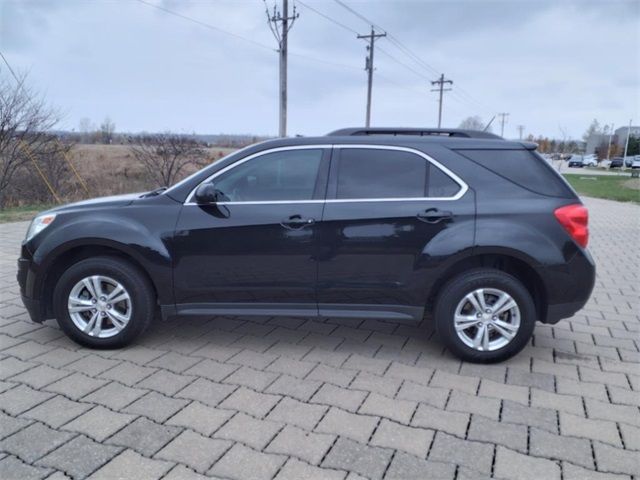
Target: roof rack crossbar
x=444 y=132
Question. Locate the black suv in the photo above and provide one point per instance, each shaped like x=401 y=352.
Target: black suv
x=478 y=232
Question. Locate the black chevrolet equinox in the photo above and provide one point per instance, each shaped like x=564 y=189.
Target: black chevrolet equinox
x=478 y=233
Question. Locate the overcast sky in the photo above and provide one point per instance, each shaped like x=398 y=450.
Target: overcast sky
x=553 y=65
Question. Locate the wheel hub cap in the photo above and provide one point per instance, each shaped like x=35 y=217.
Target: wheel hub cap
x=99 y=306
x=487 y=319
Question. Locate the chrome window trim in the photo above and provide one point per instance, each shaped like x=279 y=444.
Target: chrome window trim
x=463 y=186
x=461 y=183
x=251 y=157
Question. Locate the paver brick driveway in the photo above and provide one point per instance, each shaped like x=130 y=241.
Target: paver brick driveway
x=290 y=398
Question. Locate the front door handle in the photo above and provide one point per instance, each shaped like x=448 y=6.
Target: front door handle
x=296 y=222
x=433 y=215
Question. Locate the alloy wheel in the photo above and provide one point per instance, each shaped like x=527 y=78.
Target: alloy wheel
x=487 y=319
x=99 y=306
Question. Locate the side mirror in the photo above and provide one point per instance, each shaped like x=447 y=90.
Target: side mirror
x=206 y=194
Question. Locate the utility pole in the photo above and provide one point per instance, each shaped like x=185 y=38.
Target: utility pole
x=441 y=82
x=369 y=68
x=503 y=116
x=280 y=23
x=609 y=143
x=520 y=130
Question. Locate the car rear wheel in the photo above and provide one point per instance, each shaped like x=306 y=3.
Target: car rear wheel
x=103 y=302
x=485 y=315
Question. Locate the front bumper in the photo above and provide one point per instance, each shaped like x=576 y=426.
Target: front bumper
x=25 y=280
x=34 y=308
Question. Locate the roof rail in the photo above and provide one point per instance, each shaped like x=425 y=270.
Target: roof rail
x=422 y=132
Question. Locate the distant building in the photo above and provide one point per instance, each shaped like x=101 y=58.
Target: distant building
x=620 y=135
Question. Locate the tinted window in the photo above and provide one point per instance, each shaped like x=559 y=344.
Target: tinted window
x=440 y=184
x=287 y=175
x=369 y=173
x=523 y=168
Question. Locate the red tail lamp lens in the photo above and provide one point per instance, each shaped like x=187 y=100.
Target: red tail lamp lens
x=575 y=220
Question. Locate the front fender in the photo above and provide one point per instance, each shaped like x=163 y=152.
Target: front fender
x=146 y=243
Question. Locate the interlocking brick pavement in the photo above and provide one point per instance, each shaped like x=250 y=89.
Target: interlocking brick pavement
x=294 y=398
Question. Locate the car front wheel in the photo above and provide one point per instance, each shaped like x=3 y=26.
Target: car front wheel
x=103 y=302
x=485 y=316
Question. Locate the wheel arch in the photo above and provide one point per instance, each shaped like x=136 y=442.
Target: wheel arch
x=76 y=253
x=516 y=265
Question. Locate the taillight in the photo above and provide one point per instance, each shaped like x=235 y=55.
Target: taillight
x=575 y=220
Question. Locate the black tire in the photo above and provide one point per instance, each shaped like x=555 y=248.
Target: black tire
x=134 y=281
x=456 y=289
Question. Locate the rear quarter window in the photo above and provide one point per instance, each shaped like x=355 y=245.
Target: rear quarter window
x=522 y=167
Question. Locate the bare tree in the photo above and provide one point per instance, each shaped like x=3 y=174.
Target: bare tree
x=24 y=122
x=473 y=123
x=86 y=129
x=27 y=186
x=165 y=156
x=593 y=129
x=107 y=129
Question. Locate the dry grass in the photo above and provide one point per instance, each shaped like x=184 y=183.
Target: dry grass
x=111 y=169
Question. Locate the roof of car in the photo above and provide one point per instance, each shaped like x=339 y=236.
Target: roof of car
x=413 y=131
x=451 y=138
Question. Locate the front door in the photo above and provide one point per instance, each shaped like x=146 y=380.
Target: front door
x=385 y=207
x=256 y=247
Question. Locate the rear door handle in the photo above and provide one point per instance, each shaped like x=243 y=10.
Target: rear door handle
x=296 y=222
x=433 y=215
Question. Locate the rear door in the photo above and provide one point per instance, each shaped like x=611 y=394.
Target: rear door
x=384 y=206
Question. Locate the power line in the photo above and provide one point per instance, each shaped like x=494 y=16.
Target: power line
x=349 y=29
x=206 y=25
x=327 y=17
x=411 y=69
x=11 y=69
x=360 y=16
x=240 y=37
x=413 y=56
x=392 y=38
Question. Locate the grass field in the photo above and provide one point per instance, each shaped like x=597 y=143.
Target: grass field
x=25 y=212
x=621 y=188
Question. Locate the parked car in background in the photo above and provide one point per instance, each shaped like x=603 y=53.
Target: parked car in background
x=604 y=163
x=576 y=161
x=628 y=161
x=636 y=162
x=476 y=232
x=590 y=160
x=616 y=162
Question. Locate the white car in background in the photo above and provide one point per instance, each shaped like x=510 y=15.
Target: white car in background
x=590 y=161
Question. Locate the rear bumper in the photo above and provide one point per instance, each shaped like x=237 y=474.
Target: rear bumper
x=570 y=288
x=557 y=312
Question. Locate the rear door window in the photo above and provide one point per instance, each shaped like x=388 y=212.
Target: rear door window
x=369 y=173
